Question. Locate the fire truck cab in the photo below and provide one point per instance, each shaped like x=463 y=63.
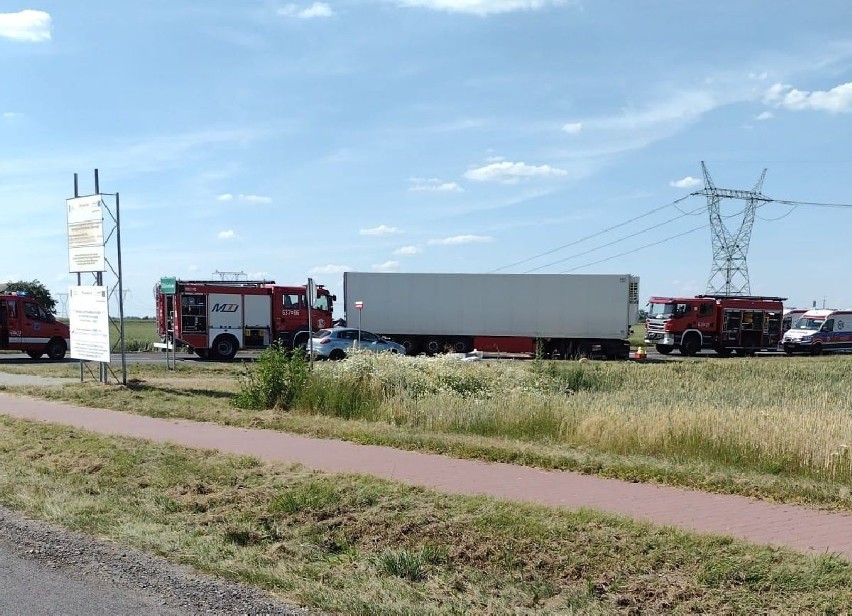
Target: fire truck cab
x=744 y=324
x=215 y=319
x=26 y=326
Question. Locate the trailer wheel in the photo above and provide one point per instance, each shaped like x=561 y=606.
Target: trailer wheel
x=461 y=345
x=691 y=345
x=56 y=349
x=412 y=347
x=225 y=347
x=664 y=349
x=433 y=345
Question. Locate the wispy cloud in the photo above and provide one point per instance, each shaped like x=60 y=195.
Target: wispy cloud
x=511 y=173
x=481 y=7
x=387 y=266
x=226 y=235
x=380 y=230
x=458 y=240
x=8 y=115
x=330 y=269
x=572 y=128
x=314 y=11
x=27 y=26
x=766 y=115
x=244 y=198
x=432 y=185
x=836 y=100
x=406 y=251
x=687 y=182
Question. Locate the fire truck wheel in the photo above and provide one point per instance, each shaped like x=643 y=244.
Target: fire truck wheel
x=56 y=349
x=723 y=351
x=35 y=354
x=225 y=347
x=664 y=349
x=691 y=345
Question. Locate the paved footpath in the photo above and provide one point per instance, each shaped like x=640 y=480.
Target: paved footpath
x=755 y=521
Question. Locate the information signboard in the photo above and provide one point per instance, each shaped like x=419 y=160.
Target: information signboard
x=85 y=234
x=88 y=313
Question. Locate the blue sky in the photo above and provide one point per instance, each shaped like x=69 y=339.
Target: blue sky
x=288 y=140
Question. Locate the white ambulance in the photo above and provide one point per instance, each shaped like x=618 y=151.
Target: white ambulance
x=818 y=331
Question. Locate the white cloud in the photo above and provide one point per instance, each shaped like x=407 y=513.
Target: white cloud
x=258 y=275
x=458 y=240
x=387 y=266
x=330 y=269
x=226 y=235
x=432 y=185
x=481 y=7
x=255 y=199
x=317 y=9
x=766 y=115
x=8 y=115
x=245 y=198
x=380 y=230
x=510 y=173
x=836 y=100
x=687 y=182
x=28 y=25
x=406 y=251
x=572 y=128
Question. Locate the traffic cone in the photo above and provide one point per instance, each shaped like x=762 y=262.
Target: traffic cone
x=640 y=353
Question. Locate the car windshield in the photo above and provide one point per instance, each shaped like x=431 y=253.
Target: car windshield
x=660 y=310
x=323 y=333
x=811 y=323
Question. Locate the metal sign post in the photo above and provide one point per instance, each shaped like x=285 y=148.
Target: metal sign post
x=168 y=286
x=311 y=293
x=359 y=305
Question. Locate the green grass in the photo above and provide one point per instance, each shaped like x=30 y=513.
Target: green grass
x=775 y=428
x=349 y=544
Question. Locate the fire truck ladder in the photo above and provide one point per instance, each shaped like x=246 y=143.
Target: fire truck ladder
x=729 y=273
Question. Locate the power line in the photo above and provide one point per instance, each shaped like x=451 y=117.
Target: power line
x=657 y=243
x=588 y=237
x=811 y=203
x=621 y=239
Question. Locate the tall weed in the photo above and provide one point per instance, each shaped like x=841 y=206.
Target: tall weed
x=274 y=381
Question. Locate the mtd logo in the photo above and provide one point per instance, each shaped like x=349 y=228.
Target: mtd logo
x=225 y=308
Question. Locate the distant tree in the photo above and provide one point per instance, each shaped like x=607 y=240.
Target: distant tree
x=36 y=290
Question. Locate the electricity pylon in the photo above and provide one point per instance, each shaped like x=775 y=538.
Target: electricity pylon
x=729 y=274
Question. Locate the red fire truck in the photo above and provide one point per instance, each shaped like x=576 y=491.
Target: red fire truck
x=26 y=326
x=744 y=324
x=216 y=318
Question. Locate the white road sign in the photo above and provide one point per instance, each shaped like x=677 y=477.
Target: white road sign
x=88 y=313
x=85 y=234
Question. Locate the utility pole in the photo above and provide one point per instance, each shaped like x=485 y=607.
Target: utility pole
x=729 y=273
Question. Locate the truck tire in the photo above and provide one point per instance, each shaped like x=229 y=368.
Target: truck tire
x=664 y=349
x=34 y=354
x=202 y=353
x=56 y=349
x=462 y=345
x=690 y=345
x=412 y=346
x=722 y=351
x=433 y=345
x=224 y=347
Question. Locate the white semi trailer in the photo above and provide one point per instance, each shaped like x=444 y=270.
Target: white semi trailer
x=558 y=315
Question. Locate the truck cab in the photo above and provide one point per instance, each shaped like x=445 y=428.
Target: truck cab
x=820 y=331
x=26 y=326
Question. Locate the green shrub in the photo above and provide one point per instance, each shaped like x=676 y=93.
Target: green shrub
x=274 y=381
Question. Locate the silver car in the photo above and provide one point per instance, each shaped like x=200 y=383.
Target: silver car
x=334 y=343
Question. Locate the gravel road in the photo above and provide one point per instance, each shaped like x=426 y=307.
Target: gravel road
x=45 y=569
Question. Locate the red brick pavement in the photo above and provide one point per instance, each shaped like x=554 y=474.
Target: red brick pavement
x=755 y=521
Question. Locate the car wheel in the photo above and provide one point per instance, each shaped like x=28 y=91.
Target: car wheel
x=56 y=349
x=816 y=349
x=336 y=355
